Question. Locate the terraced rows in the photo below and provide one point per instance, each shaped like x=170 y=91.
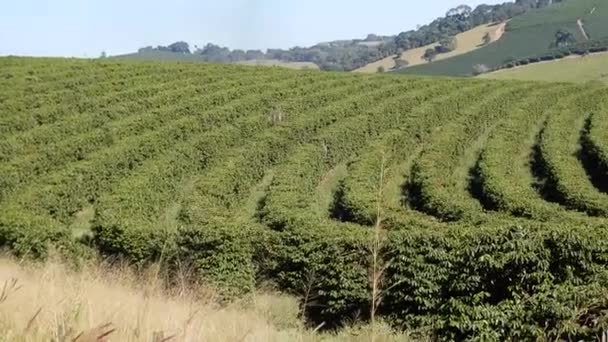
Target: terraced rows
x=560 y=155
x=483 y=190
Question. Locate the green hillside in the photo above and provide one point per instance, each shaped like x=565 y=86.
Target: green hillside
x=527 y=35
x=156 y=55
x=159 y=56
x=576 y=69
x=486 y=214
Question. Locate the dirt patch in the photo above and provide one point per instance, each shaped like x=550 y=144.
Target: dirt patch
x=497 y=34
x=466 y=42
x=581 y=28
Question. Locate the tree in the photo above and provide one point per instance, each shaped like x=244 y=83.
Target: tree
x=487 y=39
x=145 y=49
x=237 y=56
x=446 y=44
x=403 y=40
x=400 y=63
x=214 y=53
x=179 y=47
x=254 y=55
x=462 y=11
x=372 y=38
x=563 y=38
x=479 y=69
x=430 y=55
x=103 y=55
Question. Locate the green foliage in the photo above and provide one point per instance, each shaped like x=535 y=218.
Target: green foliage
x=437 y=184
x=497 y=284
x=430 y=55
x=447 y=44
x=348 y=55
x=528 y=36
x=595 y=145
x=563 y=38
x=188 y=165
x=567 y=178
x=504 y=162
x=222 y=253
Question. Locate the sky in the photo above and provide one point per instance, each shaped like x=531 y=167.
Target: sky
x=85 y=28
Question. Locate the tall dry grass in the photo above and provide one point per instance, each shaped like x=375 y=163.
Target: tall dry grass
x=50 y=302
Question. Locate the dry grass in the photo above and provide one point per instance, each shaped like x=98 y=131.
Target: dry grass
x=466 y=42
x=49 y=302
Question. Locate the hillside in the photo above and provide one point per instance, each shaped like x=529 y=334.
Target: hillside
x=572 y=69
x=353 y=54
x=178 y=57
x=459 y=196
x=465 y=42
x=274 y=62
x=527 y=35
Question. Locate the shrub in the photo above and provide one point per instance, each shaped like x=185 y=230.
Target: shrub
x=479 y=69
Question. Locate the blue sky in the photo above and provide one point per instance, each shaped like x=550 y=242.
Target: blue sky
x=87 y=27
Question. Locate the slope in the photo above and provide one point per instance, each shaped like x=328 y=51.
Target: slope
x=593 y=67
x=179 y=57
x=528 y=35
x=251 y=175
x=465 y=42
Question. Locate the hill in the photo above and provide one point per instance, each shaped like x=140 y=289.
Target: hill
x=274 y=62
x=458 y=196
x=572 y=69
x=528 y=35
x=353 y=54
x=177 y=57
x=465 y=42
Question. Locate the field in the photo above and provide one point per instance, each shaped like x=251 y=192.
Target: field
x=465 y=208
x=527 y=35
x=176 y=57
x=465 y=42
x=575 y=69
x=289 y=65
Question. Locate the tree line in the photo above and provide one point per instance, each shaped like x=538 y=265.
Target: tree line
x=347 y=55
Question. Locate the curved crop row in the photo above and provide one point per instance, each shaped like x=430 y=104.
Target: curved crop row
x=359 y=197
x=504 y=166
x=439 y=176
x=46 y=80
x=213 y=200
x=80 y=146
x=335 y=146
x=135 y=206
x=366 y=183
x=428 y=268
x=67 y=88
x=222 y=188
x=52 y=81
x=54 y=199
x=210 y=199
x=98 y=112
x=45 y=106
x=567 y=179
x=595 y=146
x=234 y=176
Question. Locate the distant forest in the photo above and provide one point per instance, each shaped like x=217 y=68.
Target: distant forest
x=347 y=55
